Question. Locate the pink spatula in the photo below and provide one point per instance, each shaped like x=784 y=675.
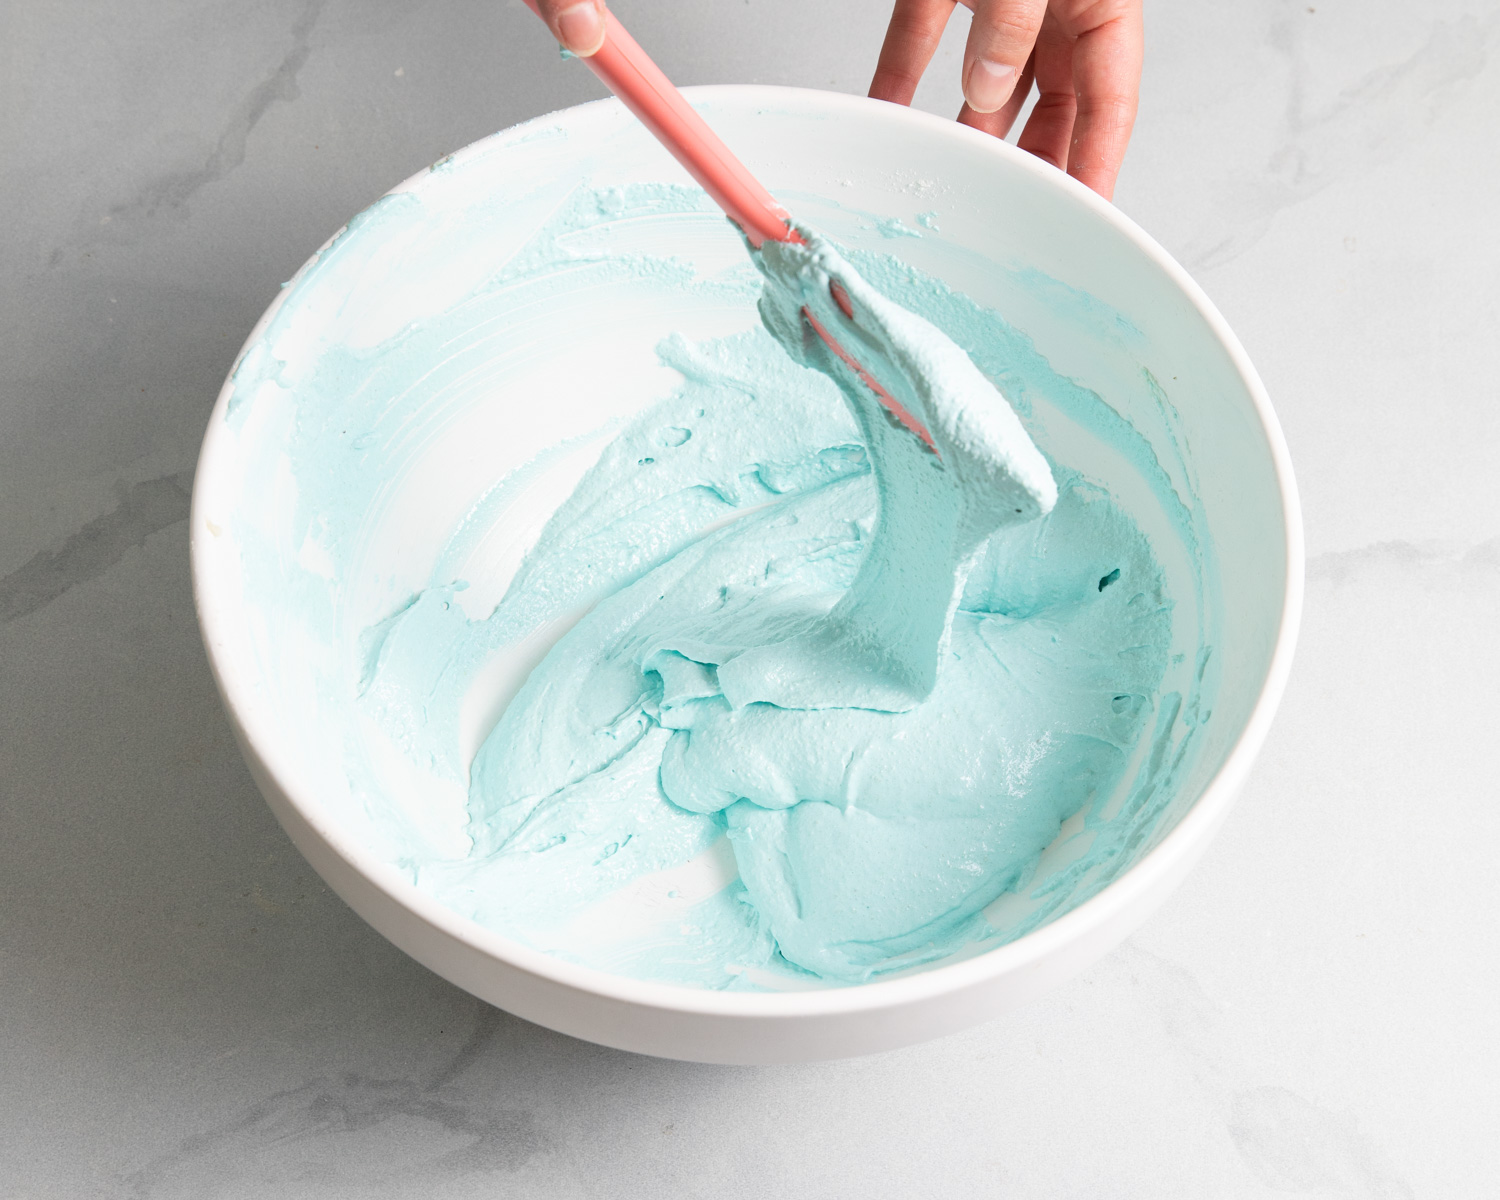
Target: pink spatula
x=630 y=74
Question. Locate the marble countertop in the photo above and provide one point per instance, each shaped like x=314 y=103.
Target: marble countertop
x=185 y=1011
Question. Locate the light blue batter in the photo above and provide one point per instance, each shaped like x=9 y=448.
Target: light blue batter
x=887 y=752
x=870 y=679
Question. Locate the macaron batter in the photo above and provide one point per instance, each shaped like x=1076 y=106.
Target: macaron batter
x=806 y=697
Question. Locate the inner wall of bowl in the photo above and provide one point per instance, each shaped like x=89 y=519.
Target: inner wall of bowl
x=317 y=556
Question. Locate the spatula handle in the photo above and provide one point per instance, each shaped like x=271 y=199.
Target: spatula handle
x=630 y=74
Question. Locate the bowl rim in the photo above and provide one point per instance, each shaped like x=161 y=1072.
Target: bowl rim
x=1156 y=866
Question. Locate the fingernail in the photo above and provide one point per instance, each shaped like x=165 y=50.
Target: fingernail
x=989 y=85
x=581 y=28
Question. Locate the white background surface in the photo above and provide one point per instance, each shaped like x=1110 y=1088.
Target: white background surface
x=186 y=1012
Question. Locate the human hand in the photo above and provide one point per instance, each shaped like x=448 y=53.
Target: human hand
x=578 y=25
x=1083 y=55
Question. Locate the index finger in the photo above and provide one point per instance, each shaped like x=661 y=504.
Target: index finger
x=916 y=28
x=1107 y=76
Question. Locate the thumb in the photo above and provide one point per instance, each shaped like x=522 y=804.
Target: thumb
x=578 y=25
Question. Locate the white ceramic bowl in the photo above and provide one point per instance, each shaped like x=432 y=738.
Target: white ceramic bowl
x=998 y=225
